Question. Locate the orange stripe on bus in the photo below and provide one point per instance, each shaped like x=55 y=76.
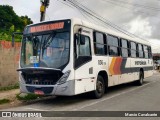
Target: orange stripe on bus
x=117 y=66
x=112 y=65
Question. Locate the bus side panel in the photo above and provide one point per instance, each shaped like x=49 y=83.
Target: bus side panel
x=134 y=69
x=100 y=65
x=113 y=73
x=126 y=75
x=149 y=72
x=84 y=81
x=141 y=63
x=86 y=75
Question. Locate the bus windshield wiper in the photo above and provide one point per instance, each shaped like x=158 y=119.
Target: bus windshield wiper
x=49 y=40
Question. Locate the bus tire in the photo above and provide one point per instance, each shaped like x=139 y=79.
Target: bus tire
x=100 y=88
x=141 y=77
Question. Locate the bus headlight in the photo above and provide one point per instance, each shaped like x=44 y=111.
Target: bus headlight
x=21 y=79
x=64 y=77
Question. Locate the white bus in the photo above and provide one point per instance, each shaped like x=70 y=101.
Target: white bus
x=70 y=57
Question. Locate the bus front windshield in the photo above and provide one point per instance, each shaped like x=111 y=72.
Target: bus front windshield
x=49 y=50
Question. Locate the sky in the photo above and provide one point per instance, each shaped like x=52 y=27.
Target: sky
x=139 y=17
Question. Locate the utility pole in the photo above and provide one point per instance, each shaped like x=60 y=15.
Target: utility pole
x=44 y=5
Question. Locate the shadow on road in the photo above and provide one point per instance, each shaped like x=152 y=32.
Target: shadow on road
x=124 y=87
x=69 y=100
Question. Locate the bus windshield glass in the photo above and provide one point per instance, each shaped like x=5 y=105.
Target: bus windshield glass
x=48 y=50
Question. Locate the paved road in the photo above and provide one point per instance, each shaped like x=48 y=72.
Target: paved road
x=126 y=97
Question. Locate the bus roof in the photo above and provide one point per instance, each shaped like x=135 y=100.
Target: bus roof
x=100 y=29
x=108 y=31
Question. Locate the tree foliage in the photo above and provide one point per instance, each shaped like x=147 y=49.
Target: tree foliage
x=11 y=22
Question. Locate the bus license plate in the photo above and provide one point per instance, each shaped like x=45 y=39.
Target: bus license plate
x=38 y=92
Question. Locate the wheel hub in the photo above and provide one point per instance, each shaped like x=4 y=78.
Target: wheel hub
x=99 y=87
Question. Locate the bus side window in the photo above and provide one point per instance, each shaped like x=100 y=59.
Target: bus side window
x=113 y=45
x=149 y=52
x=133 y=49
x=100 y=43
x=140 y=51
x=145 y=48
x=124 y=48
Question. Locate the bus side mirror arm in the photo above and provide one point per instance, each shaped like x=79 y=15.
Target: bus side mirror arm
x=13 y=35
x=75 y=45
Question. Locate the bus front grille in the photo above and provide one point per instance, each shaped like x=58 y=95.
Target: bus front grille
x=51 y=82
x=41 y=79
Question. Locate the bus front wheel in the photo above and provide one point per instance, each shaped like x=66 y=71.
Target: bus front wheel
x=100 y=88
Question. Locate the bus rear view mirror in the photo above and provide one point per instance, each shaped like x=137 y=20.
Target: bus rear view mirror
x=80 y=39
x=13 y=35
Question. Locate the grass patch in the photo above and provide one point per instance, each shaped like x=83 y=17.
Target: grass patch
x=3 y=101
x=27 y=97
x=15 y=86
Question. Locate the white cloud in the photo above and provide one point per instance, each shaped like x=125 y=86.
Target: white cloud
x=140 y=27
x=155 y=43
x=129 y=17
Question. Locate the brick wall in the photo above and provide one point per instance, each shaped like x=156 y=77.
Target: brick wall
x=9 y=58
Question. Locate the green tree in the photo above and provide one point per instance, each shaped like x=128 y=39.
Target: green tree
x=11 y=29
x=10 y=22
x=26 y=20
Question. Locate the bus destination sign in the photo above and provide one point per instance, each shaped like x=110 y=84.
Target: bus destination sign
x=47 y=27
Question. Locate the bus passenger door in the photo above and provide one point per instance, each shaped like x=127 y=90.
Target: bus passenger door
x=83 y=64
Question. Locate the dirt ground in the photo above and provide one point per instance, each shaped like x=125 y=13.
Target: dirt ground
x=14 y=102
x=11 y=95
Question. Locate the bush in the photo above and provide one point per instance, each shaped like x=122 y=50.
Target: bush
x=3 y=101
x=27 y=97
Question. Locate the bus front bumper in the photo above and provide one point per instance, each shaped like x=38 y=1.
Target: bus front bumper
x=65 y=89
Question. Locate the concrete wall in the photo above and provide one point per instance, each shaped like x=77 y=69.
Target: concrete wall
x=9 y=58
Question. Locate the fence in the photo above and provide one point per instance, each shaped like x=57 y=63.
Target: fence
x=9 y=58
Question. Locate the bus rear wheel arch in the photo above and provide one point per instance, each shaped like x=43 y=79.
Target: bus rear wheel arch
x=100 y=88
x=101 y=85
x=105 y=77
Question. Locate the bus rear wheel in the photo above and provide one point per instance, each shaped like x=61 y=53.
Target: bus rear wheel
x=141 y=77
x=100 y=88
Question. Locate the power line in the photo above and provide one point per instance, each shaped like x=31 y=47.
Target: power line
x=91 y=13
x=86 y=16
x=119 y=29
x=102 y=19
x=139 y=5
x=122 y=6
x=84 y=12
x=70 y=6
